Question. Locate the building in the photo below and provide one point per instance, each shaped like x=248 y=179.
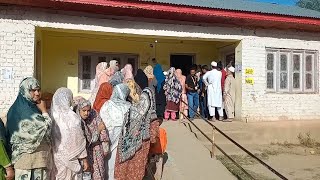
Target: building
x=275 y=47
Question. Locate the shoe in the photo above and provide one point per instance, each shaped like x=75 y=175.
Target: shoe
x=221 y=118
x=210 y=119
x=191 y=119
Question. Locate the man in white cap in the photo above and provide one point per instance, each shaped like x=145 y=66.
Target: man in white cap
x=212 y=79
x=229 y=94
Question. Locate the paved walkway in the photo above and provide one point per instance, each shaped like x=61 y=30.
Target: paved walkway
x=188 y=159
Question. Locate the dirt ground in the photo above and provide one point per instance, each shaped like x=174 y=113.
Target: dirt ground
x=294 y=161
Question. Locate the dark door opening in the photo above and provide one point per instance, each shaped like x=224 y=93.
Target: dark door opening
x=183 y=62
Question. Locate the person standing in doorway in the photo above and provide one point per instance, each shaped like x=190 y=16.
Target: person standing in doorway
x=192 y=87
x=229 y=94
x=203 y=93
x=212 y=79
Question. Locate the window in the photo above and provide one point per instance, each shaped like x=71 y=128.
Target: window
x=290 y=71
x=89 y=61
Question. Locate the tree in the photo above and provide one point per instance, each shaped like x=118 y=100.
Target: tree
x=309 y=4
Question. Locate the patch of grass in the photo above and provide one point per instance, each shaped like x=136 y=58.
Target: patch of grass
x=242 y=160
x=307 y=141
x=284 y=144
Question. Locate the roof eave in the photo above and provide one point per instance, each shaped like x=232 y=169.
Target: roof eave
x=175 y=12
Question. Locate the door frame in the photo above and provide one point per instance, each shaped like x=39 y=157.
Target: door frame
x=194 y=56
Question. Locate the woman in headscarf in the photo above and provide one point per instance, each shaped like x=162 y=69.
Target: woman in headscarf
x=69 y=143
x=127 y=71
x=105 y=90
x=6 y=169
x=173 y=91
x=183 y=105
x=138 y=133
x=96 y=135
x=114 y=65
x=141 y=79
x=28 y=128
x=160 y=96
x=103 y=74
x=152 y=81
x=135 y=90
x=114 y=113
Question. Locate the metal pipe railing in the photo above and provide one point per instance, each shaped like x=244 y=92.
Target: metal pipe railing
x=215 y=145
x=235 y=143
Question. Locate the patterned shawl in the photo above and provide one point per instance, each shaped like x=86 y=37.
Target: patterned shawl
x=127 y=71
x=141 y=79
x=68 y=138
x=172 y=87
x=158 y=73
x=137 y=128
x=103 y=95
x=117 y=78
x=135 y=90
x=149 y=72
x=114 y=111
x=26 y=126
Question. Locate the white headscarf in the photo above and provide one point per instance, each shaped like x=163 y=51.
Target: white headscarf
x=68 y=137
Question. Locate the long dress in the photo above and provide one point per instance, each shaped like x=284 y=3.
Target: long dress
x=114 y=113
x=4 y=158
x=229 y=96
x=134 y=143
x=213 y=80
x=28 y=133
x=69 y=143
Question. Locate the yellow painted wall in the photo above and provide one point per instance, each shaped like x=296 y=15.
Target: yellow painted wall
x=60 y=52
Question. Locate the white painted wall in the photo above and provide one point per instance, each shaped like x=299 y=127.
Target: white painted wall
x=17 y=33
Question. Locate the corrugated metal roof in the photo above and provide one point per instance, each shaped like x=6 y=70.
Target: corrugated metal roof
x=244 y=5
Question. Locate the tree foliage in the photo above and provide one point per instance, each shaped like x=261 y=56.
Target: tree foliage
x=309 y=4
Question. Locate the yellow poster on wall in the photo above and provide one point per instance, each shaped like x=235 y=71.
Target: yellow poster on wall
x=250 y=81
x=249 y=71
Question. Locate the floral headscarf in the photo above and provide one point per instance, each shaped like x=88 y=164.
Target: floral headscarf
x=149 y=72
x=172 y=87
x=135 y=90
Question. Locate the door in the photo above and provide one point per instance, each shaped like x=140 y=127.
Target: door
x=183 y=62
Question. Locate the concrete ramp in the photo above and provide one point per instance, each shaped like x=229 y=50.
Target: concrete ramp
x=188 y=159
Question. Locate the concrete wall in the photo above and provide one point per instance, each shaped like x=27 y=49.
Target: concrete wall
x=257 y=105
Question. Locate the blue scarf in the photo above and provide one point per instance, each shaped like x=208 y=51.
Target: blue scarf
x=158 y=73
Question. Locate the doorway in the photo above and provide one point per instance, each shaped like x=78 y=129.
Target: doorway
x=182 y=61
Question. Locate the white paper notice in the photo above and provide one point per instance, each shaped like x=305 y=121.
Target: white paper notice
x=7 y=73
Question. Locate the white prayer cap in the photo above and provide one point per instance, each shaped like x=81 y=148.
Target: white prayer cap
x=231 y=69
x=214 y=64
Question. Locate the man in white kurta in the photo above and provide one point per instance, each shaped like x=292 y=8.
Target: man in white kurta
x=212 y=79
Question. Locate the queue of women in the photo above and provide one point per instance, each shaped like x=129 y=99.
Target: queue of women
x=113 y=135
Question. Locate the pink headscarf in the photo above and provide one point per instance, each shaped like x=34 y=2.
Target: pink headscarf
x=127 y=72
x=106 y=76
x=100 y=71
x=182 y=80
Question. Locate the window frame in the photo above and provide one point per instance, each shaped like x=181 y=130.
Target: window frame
x=95 y=60
x=290 y=65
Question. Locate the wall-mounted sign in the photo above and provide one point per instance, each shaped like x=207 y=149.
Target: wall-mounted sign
x=7 y=73
x=250 y=81
x=249 y=71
